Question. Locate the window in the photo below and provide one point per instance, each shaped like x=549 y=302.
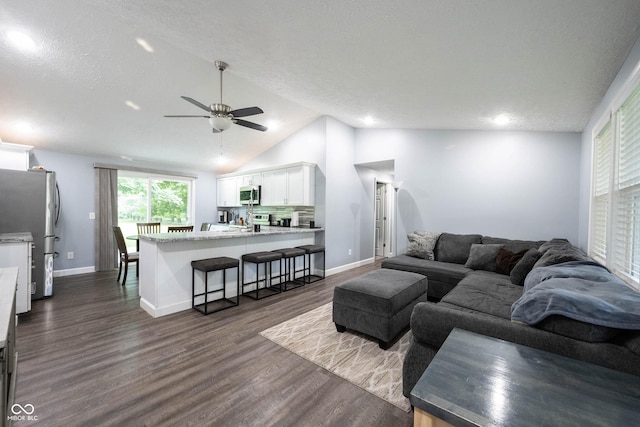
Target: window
x=144 y=197
x=614 y=236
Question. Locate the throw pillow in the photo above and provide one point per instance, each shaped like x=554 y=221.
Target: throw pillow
x=420 y=246
x=432 y=239
x=506 y=260
x=524 y=266
x=483 y=257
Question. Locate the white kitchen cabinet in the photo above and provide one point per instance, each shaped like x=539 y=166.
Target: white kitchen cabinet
x=228 y=190
x=274 y=188
x=14 y=156
x=292 y=186
x=289 y=185
x=252 y=179
x=18 y=254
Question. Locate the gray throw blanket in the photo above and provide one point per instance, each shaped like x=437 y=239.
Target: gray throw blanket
x=580 y=290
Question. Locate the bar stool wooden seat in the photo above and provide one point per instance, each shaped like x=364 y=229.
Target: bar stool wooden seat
x=208 y=265
x=289 y=256
x=266 y=259
x=311 y=250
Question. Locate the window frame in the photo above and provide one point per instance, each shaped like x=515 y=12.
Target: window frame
x=153 y=176
x=612 y=222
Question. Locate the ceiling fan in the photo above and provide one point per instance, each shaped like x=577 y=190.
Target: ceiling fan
x=221 y=116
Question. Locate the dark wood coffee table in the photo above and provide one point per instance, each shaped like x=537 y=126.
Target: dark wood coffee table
x=476 y=380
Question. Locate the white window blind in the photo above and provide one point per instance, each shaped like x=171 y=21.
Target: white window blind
x=602 y=167
x=626 y=213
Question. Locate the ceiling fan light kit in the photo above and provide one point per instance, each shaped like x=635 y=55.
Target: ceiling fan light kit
x=221 y=115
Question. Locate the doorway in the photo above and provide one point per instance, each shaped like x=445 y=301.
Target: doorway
x=382 y=238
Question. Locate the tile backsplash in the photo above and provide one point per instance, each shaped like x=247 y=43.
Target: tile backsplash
x=305 y=213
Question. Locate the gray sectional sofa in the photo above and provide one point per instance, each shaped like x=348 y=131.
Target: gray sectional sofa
x=547 y=295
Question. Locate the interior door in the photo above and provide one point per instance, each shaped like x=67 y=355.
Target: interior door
x=381 y=218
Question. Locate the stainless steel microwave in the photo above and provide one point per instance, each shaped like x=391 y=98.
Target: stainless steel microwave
x=250 y=195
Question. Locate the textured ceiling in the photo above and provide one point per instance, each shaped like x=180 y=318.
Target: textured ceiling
x=437 y=64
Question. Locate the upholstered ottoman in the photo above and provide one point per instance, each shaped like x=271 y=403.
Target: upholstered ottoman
x=378 y=303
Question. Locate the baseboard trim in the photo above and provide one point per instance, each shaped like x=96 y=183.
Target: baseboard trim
x=74 y=271
x=336 y=270
x=351 y=266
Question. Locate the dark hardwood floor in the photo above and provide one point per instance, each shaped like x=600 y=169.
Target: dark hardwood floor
x=91 y=356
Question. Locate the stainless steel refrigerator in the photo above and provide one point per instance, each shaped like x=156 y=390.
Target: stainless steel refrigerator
x=29 y=201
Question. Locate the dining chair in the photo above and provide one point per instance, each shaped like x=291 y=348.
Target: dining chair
x=179 y=228
x=125 y=256
x=148 y=227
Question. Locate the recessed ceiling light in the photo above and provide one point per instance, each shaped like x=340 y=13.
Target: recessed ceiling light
x=368 y=120
x=501 y=120
x=25 y=127
x=132 y=104
x=21 y=41
x=145 y=45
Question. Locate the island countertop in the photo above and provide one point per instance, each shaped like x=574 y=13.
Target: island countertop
x=225 y=233
x=167 y=282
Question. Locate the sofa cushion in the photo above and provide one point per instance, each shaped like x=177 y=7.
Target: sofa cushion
x=421 y=244
x=512 y=245
x=434 y=270
x=578 y=330
x=455 y=248
x=559 y=252
x=524 y=266
x=483 y=257
x=484 y=292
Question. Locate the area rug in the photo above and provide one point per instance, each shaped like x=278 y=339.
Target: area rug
x=349 y=355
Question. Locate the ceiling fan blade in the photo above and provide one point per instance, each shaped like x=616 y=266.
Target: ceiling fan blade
x=196 y=103
x=206 y=117
x=250 y=125
x=215 y=130
x=249 y=111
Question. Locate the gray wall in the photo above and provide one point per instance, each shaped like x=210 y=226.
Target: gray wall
x=629 y=69
x=506 y=184
x=76 y=180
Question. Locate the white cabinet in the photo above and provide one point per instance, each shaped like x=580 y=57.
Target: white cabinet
x=18 y=254
x=14 y=156
x=252 y=179
x=290 y=185
x=228 y=191
x=274 y=188
x=293 y=186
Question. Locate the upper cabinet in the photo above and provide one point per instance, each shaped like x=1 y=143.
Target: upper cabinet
x=229 y=191
x=291 y=185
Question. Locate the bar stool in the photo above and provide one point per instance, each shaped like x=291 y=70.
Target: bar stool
x=208 y=265
x=289 y=256
x=266 y=259
x=310 y=250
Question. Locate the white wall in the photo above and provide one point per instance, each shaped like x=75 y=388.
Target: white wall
x=629 y=69
x=76 y=179
x=506 y=184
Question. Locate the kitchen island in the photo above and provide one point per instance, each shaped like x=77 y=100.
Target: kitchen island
x=165 y=260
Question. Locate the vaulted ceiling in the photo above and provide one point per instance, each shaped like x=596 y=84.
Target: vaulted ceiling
x=90 y=84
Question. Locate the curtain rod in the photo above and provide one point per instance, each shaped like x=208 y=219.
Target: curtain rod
x=144 y=170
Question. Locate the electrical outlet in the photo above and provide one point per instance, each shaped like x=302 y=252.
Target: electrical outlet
x=349 y=251
x=69 y=255
x=92 y=215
